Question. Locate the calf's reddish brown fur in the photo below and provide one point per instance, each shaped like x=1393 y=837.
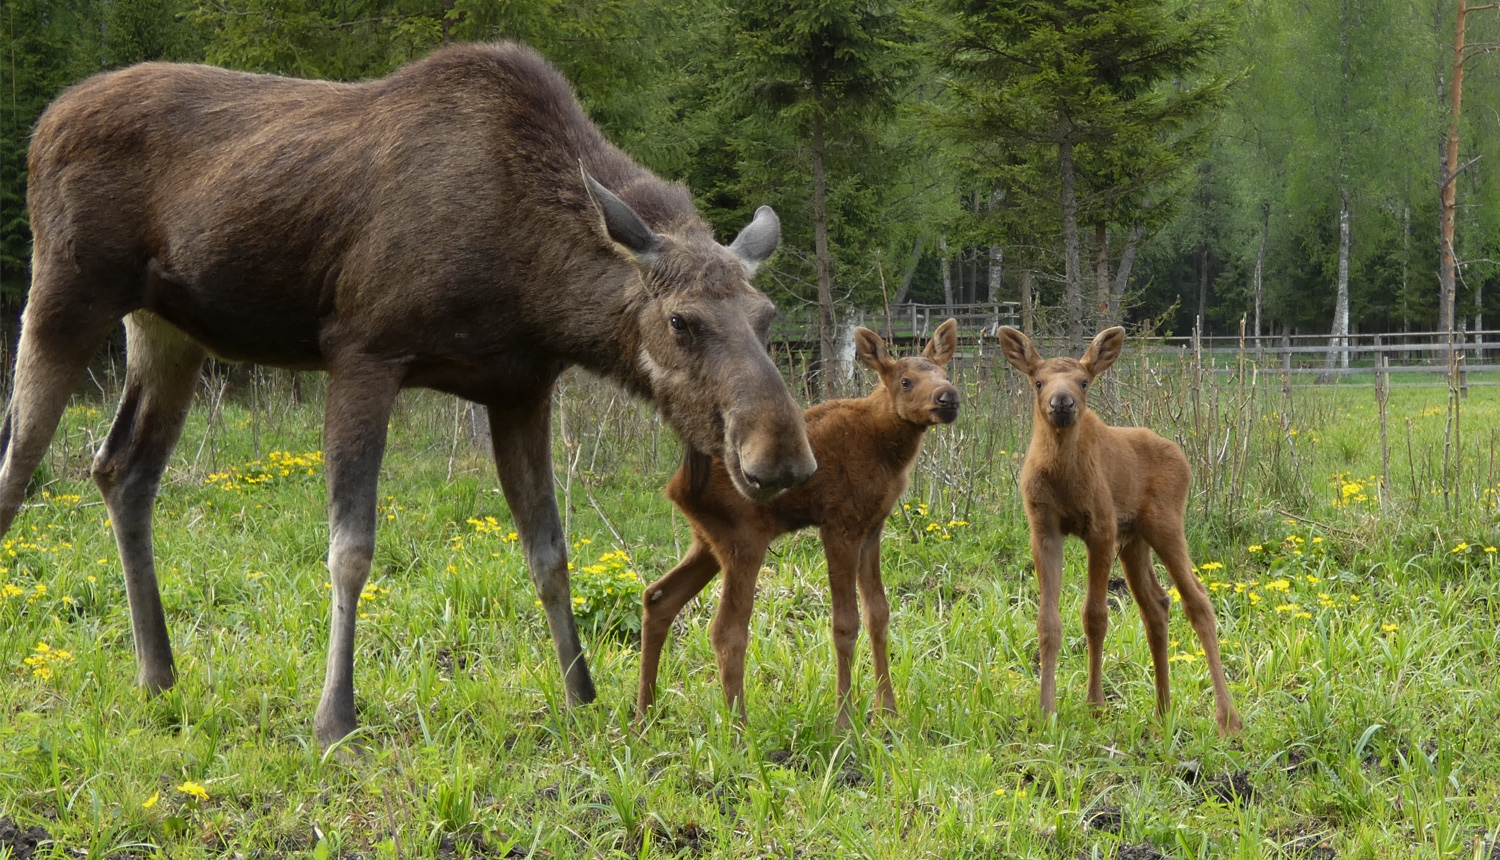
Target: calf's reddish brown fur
x=1123 y=490
x=460 y=225
x=865 y=450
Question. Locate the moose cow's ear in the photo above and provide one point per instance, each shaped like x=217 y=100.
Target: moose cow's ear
x=757 y=242
x=621 y=223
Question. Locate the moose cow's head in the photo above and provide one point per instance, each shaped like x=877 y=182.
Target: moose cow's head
x=703 y=334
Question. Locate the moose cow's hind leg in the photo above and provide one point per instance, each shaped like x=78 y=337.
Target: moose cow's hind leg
x=161 y=372
x=522 y=437
x=360 y=396
x=60 y=331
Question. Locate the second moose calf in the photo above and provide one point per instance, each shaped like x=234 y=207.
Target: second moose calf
x=865 y=450
x=1123 y=490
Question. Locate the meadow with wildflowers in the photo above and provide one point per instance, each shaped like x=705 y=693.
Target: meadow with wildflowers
x=1359 y=618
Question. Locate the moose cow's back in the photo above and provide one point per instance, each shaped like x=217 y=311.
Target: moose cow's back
x=438 y=213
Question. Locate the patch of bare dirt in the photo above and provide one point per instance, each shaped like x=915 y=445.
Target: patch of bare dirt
x=1231 y=788
x=1105 y=817
x=1309 y=839
x=1141 y=851
x=689 y=837
x=23 y=844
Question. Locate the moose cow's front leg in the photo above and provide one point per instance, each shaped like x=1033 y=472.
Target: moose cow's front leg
x=523 y=456
x=360 y=396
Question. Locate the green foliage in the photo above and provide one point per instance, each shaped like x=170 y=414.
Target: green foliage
x=1358 y=638
x=930 y=108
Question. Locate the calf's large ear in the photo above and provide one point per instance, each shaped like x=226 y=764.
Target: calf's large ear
x=621 y=223
x=944 y=343
x=758 y=241
x=1018 y=350
x=871 y=350
x=1103 y=351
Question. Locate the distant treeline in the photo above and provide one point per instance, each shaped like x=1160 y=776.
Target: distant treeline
x=1135 y=160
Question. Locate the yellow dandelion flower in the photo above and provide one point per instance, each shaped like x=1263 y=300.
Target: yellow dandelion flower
x=1461 y=547
x=151 y=801
x=1389 y=628
x=194 y=789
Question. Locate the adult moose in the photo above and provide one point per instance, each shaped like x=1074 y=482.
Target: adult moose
x=459 y=225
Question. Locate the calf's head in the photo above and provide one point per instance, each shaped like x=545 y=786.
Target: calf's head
x=702 y=334
x=1061 y=384
x=918 y=386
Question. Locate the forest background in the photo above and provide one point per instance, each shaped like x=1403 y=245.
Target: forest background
x=1131 y=160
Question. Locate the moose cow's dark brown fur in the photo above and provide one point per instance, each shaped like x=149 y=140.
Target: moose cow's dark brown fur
x=459 y=225
x=1123 y=490
x=865 y=450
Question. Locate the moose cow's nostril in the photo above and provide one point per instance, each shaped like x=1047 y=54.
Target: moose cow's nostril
x=948 y=397
x=1062 y=403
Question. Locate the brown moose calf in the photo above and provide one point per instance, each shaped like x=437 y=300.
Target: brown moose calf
x=1123 y=490
x=865 y=449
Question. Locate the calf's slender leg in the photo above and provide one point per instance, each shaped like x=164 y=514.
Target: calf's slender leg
x=1101 y=551
x=360 y=396
x=843 y=572
x=522 y=435
x=877 y=613
x=1135 y=557
x=161 y=372
x=1171 y=548
x=663 y=600
x=730 y=630
x=1046 y=553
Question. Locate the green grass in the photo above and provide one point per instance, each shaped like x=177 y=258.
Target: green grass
x=1361 y=633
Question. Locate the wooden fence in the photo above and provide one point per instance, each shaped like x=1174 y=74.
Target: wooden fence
x=1419 y=354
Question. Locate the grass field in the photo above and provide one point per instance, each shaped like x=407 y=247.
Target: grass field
x=1360 y=625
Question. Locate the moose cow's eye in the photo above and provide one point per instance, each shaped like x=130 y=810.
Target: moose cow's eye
x=906 y=384
x=677 y=322
x=1085 y=386
x=1038 y=386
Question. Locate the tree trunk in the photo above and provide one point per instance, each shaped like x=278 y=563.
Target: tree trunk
x=823 y=263
x=947 y=275
x=1340 y=338
x=1448 y=177
x=997 y=273
x=1260 y=264
x=1122 y=276
x=1028 y=314
x=1073 y=297
x=1406 y=260
x=1101 y=274
x=1203 y=290
x=911 y=269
